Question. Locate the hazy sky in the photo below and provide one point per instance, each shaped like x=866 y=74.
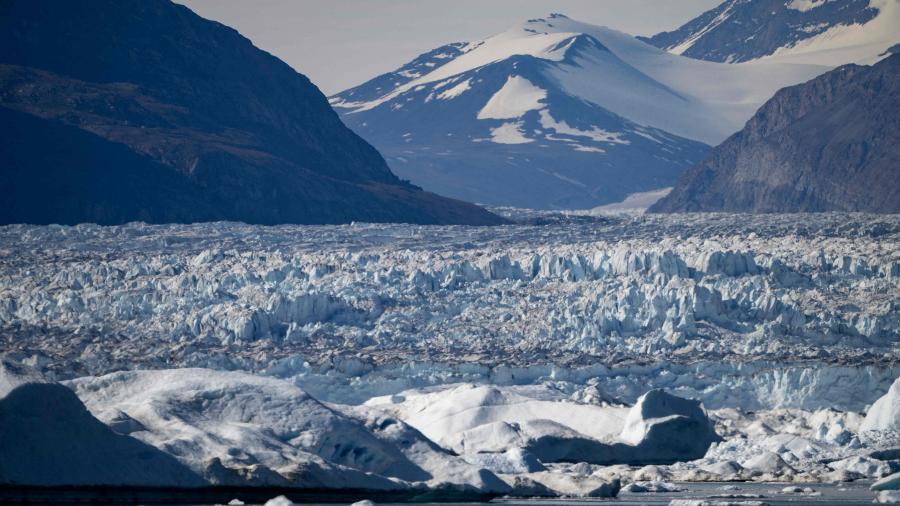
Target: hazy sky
x=342 y=43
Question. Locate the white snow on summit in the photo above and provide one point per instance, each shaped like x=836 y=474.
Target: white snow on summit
x=861 y=43
x=819 y=32
x=694 y=99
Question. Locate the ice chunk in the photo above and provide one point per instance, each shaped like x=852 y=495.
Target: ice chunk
x=577 y=486
x=651 y=486
x=768 y=462
x=49 y=438
x=864 y=466
x=885 y=412
x=512 y=461
x=279 y=501
x=891 y=482
x=484 y=418
x=668 y=428
x=238 y=429
x=727 y=469
x=888 y=497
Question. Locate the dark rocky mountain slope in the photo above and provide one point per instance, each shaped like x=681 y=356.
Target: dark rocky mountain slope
x=122 y=110
x=831 y=144
x=744 y=30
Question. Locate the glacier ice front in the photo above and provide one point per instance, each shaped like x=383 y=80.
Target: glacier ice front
x=759 y=312
x=566 y=354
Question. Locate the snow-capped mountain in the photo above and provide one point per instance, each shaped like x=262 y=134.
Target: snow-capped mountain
x=555 y=113
x=826 y=32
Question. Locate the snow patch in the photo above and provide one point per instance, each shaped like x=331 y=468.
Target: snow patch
x=806 y=5
x=863 y=44
x=509 y=133
x=884 y=415
x=718 y=20
x=49 y=438
x=596 y=134
x=588 y=149
x=517 y=96
x=634 y=202
x=455 y=91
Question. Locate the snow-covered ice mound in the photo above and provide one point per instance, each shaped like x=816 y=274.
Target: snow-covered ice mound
x=659 y=429
x=473 y=419
x=668 y=428
x=499 y=344
x=884 y=415
x=888 y=497
x=483 y=418
x=512 y=461
x=47 y=437
x=790 y=445
x=891 y=482
x=235 y=428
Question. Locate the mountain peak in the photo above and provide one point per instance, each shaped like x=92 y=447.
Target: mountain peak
x=824 y=32
x=551 y=16
x=664 y=91
x=556 y=113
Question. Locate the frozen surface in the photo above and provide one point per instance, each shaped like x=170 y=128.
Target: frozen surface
x=47 y=437
x=236 y=428
x=394 y=356
x=884 y=415
x=472 y=418
x=891 y=482
x=546 y=424
x=634 y=203
x=738 y=311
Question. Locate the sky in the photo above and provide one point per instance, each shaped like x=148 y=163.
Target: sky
x=341 y=43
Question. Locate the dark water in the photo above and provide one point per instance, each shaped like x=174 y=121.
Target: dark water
x=767 y=493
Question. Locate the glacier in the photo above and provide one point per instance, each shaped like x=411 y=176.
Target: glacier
x=714 y=307
x=528 y=359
